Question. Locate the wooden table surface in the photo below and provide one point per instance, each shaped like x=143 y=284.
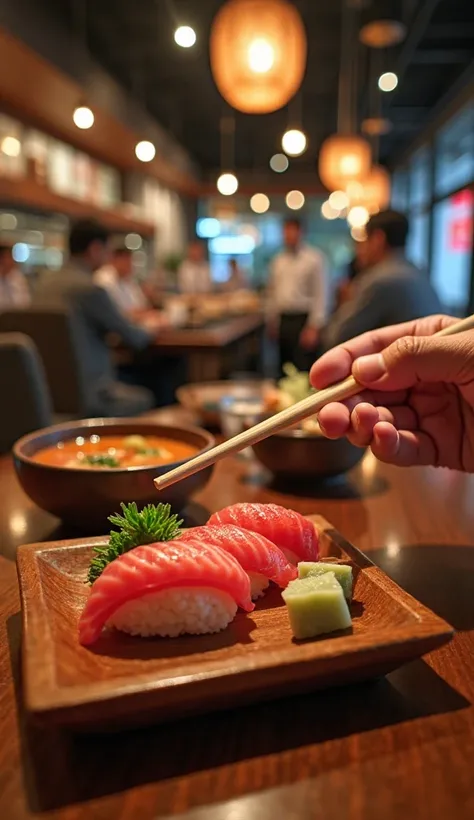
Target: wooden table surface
x=215 y=334
x=401 y=747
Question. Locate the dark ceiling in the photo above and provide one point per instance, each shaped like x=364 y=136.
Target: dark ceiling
x=134 y=42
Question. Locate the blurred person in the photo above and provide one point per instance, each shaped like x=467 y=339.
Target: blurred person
x=96 y=317
x=14 y=291
x=194 y=273
x=416 y=404
x=356 y=266
x=297 y=297
x=118 y=279
x=389 y=290
x=237 y=279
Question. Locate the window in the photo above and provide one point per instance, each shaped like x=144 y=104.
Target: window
x=400 y=181
x=420 y=177
x=455 y=152
x=452 y=250
x=417 y=246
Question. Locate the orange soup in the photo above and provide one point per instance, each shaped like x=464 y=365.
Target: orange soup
x=109 y=452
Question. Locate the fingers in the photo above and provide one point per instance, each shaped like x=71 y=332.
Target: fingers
x=337 y=363
x=403 y=448
x=413 y=359
x=338 y=420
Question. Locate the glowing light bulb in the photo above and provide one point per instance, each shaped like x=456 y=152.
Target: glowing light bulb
x=328 y=212
x=185 y=36
x=293 y=142
x=358 y=216
x=227 y=184
x=145 y=151
x=261 y=56
x=359 y=234
x=339 y=200
x=388 y=81
x=279 y=163
x=259 y=203
x=83 y=117
x=294 y=200
x=11 y=146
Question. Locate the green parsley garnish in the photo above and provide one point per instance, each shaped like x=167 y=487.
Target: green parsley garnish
x=97 y=460
x=154 y=523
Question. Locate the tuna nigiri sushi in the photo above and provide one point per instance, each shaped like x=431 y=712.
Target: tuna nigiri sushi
x=259 y=557
x=166 y=589
x=290 y=531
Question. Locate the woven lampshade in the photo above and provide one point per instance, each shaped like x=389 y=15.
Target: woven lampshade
x=377 y=189
x=343 y=159
x=258 y=54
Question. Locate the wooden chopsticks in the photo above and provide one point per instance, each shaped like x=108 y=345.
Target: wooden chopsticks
x=286 y=418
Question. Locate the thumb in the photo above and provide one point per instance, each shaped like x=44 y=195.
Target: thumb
x=413 y=359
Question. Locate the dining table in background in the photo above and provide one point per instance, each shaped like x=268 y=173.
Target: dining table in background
x=397 y=747
x=213 y=351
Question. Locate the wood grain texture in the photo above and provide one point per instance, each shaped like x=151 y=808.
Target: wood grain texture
x=399 y=747
x=122 y=680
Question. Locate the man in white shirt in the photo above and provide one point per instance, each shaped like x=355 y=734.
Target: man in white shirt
x=297 y=298
x=118 y=280
x=194 y=274
x=14 y=292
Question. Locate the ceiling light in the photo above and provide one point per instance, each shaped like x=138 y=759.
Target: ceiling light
x=133 y=241
x=376 y=126
x=293 y=142
x=338 y=200
x=145 y=151
x=83 y=117
x=227 y=184
x=354 y=190
x=258 y=53
x=388 y=81
x=185 y=36
x=279 y=163
x=261 y=55
x=259 y=203
x=11 y=146
x=342 y=159
x=358 y=216
x=328 y=212
x=382 y=33
x=294 y=200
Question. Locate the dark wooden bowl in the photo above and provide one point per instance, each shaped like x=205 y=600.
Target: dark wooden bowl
x=85 y=498
x=296 y=454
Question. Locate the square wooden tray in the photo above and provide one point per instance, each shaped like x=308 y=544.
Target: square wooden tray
x=125 y=680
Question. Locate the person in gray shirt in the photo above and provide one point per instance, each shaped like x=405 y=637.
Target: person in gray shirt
x=389 y=290
x=95 y=317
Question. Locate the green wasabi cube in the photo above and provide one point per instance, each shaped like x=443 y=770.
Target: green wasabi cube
x=342 y=572
x=316 y=605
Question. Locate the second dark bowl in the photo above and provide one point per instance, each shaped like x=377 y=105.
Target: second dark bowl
x=295 y=454
x=84 y=498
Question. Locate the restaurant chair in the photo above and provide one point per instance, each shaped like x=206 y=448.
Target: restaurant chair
x=54 y=334
x=57 y=335
x=26 y=402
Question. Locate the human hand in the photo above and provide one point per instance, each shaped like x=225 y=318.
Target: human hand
x=418 y=405
x=309 y=338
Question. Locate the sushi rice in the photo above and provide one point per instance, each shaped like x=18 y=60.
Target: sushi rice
x=173 y=612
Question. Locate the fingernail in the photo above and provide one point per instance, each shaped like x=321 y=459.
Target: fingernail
x=369 y=369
